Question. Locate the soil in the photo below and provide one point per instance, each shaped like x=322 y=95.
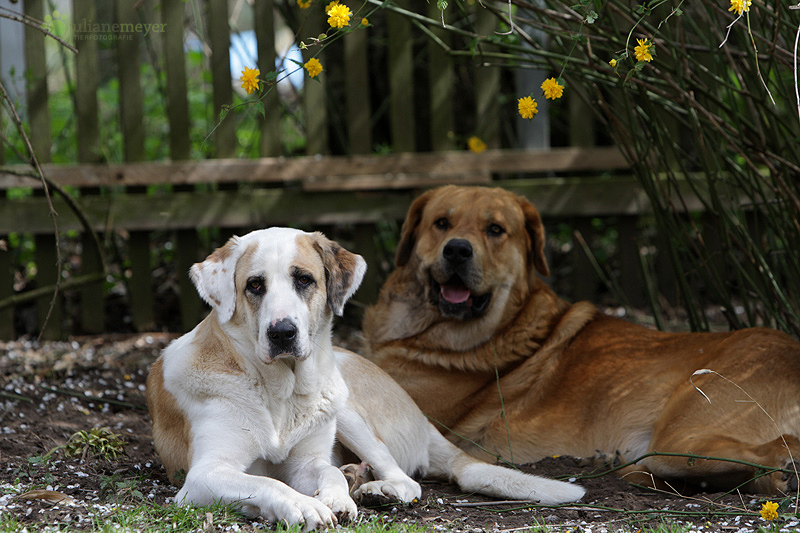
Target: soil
x=52 y=390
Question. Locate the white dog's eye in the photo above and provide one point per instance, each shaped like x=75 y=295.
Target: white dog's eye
x=255 y=286
x=303 y=281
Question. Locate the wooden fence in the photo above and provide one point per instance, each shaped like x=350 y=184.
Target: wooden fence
x=149 y=174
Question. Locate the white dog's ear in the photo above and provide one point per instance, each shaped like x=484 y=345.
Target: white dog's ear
x=214 y=279
x=344 y=272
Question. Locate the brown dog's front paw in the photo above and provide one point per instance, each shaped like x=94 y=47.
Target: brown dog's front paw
x=356 y=475
x=791 y=479
x=603 y=460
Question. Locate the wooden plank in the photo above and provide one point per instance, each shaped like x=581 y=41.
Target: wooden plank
x=140 y=283
x=225 y=209
x=487 y=84
x=130 y=88
x=377 y=172
x=441 y=76
x=219 y=37
x=86 y=85
x=264 y=13
x=175 y=67
x=555 y=197
x=358 y=102
x=315 y=107
x=36 y=77
x=401 y=80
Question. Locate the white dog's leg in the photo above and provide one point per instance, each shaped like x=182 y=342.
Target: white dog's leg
x=309 y=470
x=255 y=495
x=390 y=480
x=473 y=475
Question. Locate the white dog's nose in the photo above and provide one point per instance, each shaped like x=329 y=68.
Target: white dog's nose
x=282 y=335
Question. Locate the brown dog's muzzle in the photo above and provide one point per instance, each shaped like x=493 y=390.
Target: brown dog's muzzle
x=457 y=273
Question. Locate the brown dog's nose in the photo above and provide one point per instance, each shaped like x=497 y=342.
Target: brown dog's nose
x=457 y=251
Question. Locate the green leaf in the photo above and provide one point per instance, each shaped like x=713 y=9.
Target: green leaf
x=259 y=105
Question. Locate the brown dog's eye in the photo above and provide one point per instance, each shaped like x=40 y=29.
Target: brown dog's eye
x=442 y=223
x=495 y=229
x=255 y=286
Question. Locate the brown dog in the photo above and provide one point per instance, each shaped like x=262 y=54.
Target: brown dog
x=506 y=368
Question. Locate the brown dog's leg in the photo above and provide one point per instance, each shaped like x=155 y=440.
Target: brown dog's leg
x=782 y=452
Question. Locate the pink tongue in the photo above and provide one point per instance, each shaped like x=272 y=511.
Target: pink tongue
x=455 y=294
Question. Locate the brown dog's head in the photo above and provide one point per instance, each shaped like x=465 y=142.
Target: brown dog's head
x=470 y=246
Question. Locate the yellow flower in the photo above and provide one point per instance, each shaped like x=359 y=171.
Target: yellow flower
x=313 y=66
x=769 y=510
x=552 y=89
x=338 y=16
x=613 y=63
x=527 y=107
x=249 y=79
x=642 y=50
x=364 y=22
x=475 y=144
x=304 y=4
x=329 y=6
x=740 y=6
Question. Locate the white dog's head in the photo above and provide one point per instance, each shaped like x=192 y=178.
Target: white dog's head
x=274 y=289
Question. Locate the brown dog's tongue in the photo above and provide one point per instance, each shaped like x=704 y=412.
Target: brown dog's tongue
x=455 y=294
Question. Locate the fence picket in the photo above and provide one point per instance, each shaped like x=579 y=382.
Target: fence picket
x=175 y=67
x=314 y=89
x=358 y=102
x=270 y=141
x=487 y=86
x=219 y=37
x=442 y=87
x=401 y=80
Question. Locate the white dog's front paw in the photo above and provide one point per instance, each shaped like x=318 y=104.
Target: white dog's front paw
x=340 y=502
x=302 y=510
x=404 y=490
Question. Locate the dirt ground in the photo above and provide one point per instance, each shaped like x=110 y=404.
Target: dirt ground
x=50 y=391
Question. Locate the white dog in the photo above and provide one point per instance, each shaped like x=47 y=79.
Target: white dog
x=249 y=403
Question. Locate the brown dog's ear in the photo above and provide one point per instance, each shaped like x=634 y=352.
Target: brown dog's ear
x=533 y=223
x=214 y=278
x=408 y=234
x=344 y=271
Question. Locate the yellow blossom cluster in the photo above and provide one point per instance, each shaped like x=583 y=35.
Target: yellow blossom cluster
x=527 y=107
x=769 y=511
x=313 y=66
x=740 y=6
x=642 y=50
x=250 y=79
x=551 y=89
x=338 y=14
x=476 y=144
